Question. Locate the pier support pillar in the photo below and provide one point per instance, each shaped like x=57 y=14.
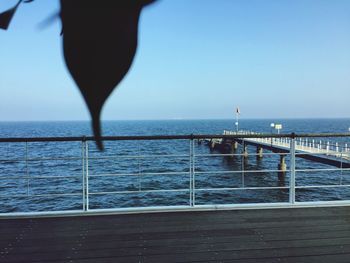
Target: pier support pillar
x=212 y=145
x=245 y=151
x=259 y=152
x=282 y=166
x=234 y=146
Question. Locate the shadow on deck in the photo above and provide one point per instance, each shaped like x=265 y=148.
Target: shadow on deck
x=271 y=235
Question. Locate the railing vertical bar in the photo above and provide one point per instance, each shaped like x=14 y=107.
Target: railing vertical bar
x=190 y=172
x=27 y=170
x=87 y=175
x=292 y=172
x=341 y=167
x=193 y=175
x=242 y=162
x=83 y=171
x=139 y=166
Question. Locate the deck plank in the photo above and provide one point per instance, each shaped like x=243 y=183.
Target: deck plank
x=269 y=235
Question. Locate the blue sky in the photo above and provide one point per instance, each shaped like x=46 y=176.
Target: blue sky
x=196 y=59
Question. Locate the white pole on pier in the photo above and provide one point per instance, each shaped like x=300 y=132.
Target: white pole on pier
x=292 y=172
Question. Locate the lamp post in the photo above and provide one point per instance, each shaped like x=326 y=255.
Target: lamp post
x=278 y=127
x=272 y=126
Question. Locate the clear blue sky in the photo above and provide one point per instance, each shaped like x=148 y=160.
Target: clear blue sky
x=196 y=59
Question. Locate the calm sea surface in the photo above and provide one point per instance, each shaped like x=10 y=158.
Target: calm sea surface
x=48 y=175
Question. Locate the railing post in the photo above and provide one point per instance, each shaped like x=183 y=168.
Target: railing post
x=85 y=173
x=192 y=174
x=86 y=176
x=292 y=171
x=327 y=147
x=244 y=157
x=27 y=169
x=83 y=170
x=341 y=168
x=190 y=171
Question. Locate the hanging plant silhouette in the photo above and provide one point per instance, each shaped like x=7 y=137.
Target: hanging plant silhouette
x=99 y=44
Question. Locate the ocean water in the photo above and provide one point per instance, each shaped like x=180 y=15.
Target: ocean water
x=42 y=176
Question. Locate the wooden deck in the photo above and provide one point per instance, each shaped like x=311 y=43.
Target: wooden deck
x=276 y=235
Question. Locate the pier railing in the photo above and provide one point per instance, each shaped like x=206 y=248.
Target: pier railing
x=59 y=175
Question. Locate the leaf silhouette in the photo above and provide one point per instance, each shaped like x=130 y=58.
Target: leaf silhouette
x=99 y=44
x=6 y=17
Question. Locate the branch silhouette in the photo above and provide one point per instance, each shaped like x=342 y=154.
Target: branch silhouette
x=99 y=45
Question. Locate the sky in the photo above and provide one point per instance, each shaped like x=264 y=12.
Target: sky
x=196 y=59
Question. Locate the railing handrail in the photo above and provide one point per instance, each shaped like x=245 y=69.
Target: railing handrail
x=171 y=137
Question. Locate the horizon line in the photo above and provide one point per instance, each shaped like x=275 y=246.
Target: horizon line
x=186 y=119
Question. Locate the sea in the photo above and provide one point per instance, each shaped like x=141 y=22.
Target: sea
x=48 y=176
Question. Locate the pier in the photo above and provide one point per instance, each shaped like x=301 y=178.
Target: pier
x=311 y=149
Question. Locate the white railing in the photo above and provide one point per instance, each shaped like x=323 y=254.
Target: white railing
x=35 y=179
x=309 y=145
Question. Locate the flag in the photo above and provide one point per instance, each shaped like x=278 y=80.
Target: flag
x=238 y=111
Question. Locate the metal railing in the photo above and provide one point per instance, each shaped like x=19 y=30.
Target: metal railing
x=60 y=175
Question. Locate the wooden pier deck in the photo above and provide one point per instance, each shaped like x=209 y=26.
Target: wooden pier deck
x=268 y=235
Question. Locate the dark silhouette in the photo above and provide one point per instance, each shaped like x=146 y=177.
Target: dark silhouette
x=5 y=17
x=99 y=44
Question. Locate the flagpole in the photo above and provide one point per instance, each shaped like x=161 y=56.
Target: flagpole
x=237 y=115
x=236 y=121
